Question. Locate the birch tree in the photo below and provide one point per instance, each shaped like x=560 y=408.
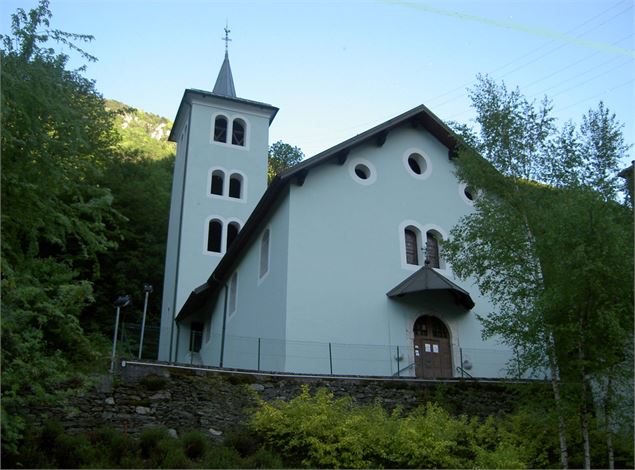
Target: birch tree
x=548 y=243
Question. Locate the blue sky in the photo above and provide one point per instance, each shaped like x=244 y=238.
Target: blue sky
x=336 y=69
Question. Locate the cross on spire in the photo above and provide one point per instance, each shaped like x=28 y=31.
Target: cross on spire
x=226 y=38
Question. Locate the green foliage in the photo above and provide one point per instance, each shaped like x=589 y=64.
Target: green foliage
x=318 y=431
x=195 y=444
x=281 y=157
x=51 y=447
x=142 y=133
x=551 y=245
x=140 y=181
x=56 y=140
x=149 y=440
x=224 y=457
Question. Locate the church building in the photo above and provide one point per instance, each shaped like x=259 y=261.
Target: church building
x=334 y=267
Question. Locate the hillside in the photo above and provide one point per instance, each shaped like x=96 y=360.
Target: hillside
x=142 y=132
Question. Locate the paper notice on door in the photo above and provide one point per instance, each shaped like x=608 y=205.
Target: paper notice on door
x=427 y=347
x=435 y=348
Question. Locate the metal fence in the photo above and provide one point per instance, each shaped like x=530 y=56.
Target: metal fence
x=332 y=358
x=129 y=341
x=324 y=358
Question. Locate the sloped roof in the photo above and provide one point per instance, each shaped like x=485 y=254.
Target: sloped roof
x=427 y=279
x=191 y=93
x=418 y=117
x=225 y=82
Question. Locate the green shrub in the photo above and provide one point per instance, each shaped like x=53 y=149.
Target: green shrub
x=73 y=451
x=115 y=448
x=149 y=440
x=223 y=457
x=195 y=444
x=169 y=453
x=244 y=441
x=264 y=458
x=318 y=431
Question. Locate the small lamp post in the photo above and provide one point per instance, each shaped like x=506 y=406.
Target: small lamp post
x=121 y=301
x=147 y=288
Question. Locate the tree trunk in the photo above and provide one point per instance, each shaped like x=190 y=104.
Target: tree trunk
x=584 y=422
x=555 y=386
x=608 y=422
x=584 y=403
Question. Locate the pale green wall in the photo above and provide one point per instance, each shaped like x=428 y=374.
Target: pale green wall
x=169 y=279
x=195 y=264
x=345 y=250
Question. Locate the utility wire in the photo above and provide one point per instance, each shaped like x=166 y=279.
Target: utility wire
x=595 y=17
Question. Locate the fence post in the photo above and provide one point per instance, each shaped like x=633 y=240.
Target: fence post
x=330 y=358
x=461 y=359
x=398 y=361
x=258 y=354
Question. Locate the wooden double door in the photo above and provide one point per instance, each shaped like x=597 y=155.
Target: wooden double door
x=433 y=354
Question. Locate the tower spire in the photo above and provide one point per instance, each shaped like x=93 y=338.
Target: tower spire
x=225 y=81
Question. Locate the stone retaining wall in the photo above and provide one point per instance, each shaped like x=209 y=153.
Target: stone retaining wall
x=218 y=402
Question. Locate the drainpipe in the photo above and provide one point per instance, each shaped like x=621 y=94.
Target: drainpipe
x=222 y=338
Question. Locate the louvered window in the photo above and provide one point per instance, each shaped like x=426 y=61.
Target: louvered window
x=411 y=247
x=432 y=250
x=238 y=132
x=220 y=129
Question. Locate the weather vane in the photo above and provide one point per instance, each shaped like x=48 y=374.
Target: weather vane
x=226 y=38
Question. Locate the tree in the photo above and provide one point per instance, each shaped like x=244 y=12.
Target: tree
x=281 y=157
x=56 y=139
x=140 y=186
x=548 y=243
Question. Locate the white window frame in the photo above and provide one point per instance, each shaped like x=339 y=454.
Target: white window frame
x=428 y=161
x=231 y=117
x=223 y=241
x=261 y=275
x=227 y=174
x=443 y=266
x=362 y=161
x=232 y=295
x=402 y=244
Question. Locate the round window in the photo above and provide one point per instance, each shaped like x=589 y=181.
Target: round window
x=468 y=193
x=362 y=171
x=417 y=164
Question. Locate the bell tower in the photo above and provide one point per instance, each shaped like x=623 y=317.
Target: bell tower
x=220 y=173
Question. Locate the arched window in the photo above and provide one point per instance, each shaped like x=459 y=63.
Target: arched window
x=235 y=186
x=432 y=249
x=232 y=231
x=264 y=253
x=220 y=129
x=214 y=235
x=238 y=132
x=218 y=178
x=412 y=245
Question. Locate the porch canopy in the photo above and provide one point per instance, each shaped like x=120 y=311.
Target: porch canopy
x=427 y=279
